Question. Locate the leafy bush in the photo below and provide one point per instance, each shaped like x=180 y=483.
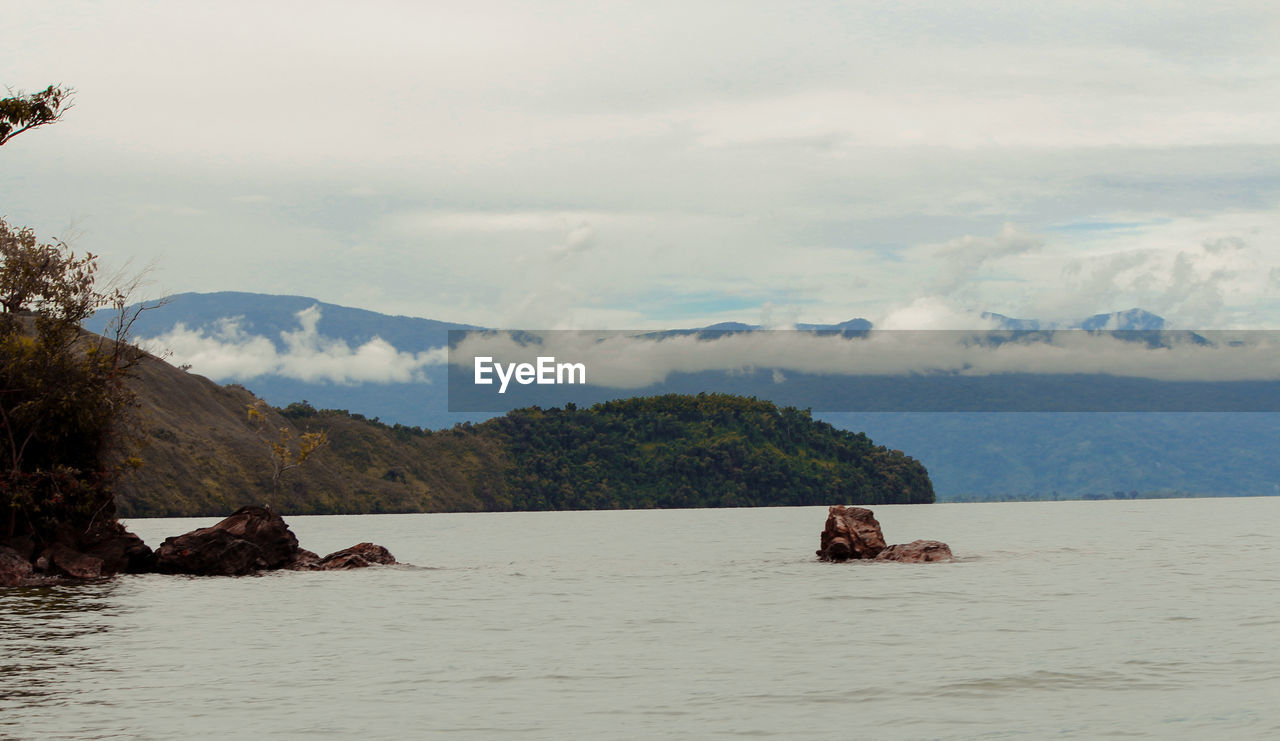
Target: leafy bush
x=63 y=396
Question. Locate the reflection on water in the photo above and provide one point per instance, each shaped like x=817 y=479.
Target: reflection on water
x=48 y=633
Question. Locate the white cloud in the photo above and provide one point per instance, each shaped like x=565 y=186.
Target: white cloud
x=227 y=352
x=579 y=239
x=960 y=260
x=933 y=312
x=831 y=153
x=622 y=360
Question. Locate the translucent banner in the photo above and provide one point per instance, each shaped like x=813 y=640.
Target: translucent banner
x=874 y=370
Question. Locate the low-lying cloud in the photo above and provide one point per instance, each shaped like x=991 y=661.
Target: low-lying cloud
x=629 y=361
x=225 y=351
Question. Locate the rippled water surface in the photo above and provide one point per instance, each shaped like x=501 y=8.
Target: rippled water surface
x=1142 y=619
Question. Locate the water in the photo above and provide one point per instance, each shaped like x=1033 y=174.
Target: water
x=1134 y=619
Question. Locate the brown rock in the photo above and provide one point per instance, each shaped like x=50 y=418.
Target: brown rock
x=265 y=529
x=851 y=533
x=25 y=545
x=14 y=569
x=917 y=551
x=303 y=560
x=121 y=552
x=61 y=560
x=251 y=539
x=356 y=557
x=208 y=553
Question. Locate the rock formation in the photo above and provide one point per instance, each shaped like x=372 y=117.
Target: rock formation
x=357 y=556
x=103 y=550
x=255 y=539
x=14 y=568
x=917 y=551
x=252 y=539
x=853 y=533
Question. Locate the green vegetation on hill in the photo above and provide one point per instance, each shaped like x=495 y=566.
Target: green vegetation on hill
x=710 y=450
x=64 y=407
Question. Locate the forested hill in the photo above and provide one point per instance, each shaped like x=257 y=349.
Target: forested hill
x=668 y=451
x=709 y=450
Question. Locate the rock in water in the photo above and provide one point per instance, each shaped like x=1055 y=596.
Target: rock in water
x=14 y=568
x=254 y=539
x=356 y=557
x=851 y=533
x=60 y=560
x=121 y=552
x=917 y=551
x=251 y=539
x=69 y=553
x=303 y=560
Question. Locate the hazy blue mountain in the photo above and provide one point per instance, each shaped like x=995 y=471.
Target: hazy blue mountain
x=1133 y=319
x=269 y=316
x=1124 y=321
x=993 y=455
x=967 y=453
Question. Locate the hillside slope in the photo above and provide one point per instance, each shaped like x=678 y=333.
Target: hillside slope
x=202 y=455
x=971 y=455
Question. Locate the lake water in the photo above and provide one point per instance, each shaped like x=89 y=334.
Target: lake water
x=1135 y=619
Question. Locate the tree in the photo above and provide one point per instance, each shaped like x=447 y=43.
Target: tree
x=23 y=112
x=286 y=452
x=39 y=276
x=63 y=396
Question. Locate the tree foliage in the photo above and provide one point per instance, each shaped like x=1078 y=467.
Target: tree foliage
x=288 y=450
x=23 y=112
x=709 y=450
x=62 y=392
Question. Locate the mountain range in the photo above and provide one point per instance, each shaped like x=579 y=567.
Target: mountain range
x=969 y=455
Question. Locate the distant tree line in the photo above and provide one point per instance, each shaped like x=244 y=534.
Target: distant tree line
x=672 y=451
x=708 y=450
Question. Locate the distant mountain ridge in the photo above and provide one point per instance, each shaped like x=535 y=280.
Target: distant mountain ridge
x=1120 y=321
x=270 y=316
x=966 y=453
x=202 y=454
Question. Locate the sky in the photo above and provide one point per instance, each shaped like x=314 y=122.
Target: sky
x=643 y=165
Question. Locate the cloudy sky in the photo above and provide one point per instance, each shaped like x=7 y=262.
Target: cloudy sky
x=630 y=165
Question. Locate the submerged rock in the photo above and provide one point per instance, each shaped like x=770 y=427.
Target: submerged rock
x=15 y=569
x=917 y=551
x=356 y=557
x=853 y=533
x=303 y=560
x=60 y=560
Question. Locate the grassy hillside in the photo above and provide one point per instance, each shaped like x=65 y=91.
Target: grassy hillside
x=203 y=455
